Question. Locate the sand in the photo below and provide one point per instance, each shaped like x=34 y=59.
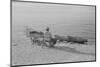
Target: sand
x=25 y=53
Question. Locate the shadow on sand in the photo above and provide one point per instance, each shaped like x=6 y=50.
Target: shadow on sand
x=72 y=50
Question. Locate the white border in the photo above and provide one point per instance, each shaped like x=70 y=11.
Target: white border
x=5 y=33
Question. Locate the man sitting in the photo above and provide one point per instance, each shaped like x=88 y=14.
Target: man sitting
x=47 y=36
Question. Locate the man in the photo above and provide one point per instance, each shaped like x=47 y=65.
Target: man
x=47 y=36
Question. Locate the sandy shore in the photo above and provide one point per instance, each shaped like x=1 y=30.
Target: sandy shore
x=24 y=53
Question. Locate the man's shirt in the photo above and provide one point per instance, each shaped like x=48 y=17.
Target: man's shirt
x=47 y=36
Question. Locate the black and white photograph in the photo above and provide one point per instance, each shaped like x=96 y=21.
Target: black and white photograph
x=51 y=33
